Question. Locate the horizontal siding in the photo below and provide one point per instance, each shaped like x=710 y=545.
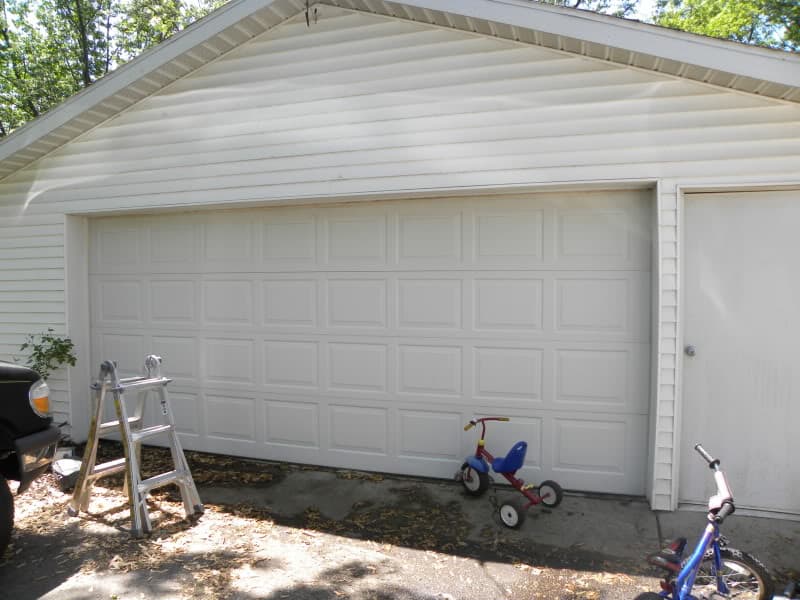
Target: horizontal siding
x=360 y=106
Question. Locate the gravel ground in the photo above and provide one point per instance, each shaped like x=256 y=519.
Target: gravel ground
x=410 y=546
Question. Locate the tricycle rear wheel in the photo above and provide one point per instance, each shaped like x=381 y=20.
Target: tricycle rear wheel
x=475 y=482
x=550 y=493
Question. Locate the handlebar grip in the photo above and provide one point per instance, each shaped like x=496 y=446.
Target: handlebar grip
x=469 y=425
x=712 y=462
x=503 y=419
x=727 y=509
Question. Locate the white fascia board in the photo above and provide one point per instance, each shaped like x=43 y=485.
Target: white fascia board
x=129 y=73
x=731 y=57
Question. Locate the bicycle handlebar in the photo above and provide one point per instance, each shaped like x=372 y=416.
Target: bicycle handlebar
x=724 y=495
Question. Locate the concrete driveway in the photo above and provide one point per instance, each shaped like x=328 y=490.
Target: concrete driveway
x=275 y=531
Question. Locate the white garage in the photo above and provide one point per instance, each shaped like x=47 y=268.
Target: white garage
x=350 y=226
x=366 y=335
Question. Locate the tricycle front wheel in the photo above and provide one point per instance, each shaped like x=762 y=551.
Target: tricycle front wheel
x=475 y=482
x=513 y=513
x=550 y=493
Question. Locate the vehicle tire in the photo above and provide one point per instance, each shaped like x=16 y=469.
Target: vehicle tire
x=745 y=576
x=648 y=596
x=6 y=515
x=475 y=482
x=550 y=493
x=513 y=513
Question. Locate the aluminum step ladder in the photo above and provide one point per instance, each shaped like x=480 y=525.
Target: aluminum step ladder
x=132 y=431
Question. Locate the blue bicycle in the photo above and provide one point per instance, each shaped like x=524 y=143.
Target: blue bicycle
x=714 y=570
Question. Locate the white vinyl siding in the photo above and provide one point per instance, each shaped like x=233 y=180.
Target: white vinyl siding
x=360 y=106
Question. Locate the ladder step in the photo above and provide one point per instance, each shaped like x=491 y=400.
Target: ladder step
x=142 y=385
x=147 y=432
x=108 y=468
x=114 y=425
x=160 y=480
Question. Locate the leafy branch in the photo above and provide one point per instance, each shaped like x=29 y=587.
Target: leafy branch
x=48 y=352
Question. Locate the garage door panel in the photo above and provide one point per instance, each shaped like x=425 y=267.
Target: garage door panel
x=364 y=336
x=355 y=240
x=429 y=303
x=291 y=424
x=433 y=435
x=429 y=240
x=357 y=303
x=290 y=303
x=359 y=429
x=429 y=370
x=601 y=450
x=231 y=418
x=514 y=304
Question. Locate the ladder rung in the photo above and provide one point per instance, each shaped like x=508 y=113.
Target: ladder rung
x=108 y=468
x=114 y=425
x=142 y=384
x=147 y=432
x=159 y=480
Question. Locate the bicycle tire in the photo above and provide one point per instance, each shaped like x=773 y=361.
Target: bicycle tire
x=745 y=575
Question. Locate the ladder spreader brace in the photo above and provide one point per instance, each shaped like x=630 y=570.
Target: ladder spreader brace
x=132 y=431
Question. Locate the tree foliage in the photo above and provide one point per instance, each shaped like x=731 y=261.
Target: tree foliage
x=51 y=49
x=618 y=8
x=773 y=23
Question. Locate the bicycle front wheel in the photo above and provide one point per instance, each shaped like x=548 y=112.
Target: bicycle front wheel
x=743 y=574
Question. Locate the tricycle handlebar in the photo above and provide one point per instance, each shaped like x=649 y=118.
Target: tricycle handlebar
x=483 y=420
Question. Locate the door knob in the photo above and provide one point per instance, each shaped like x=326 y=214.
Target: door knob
x=690 y=350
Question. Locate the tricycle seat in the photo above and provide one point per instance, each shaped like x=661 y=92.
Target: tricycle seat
x=511 y=461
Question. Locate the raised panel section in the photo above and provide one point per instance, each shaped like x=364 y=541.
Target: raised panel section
x=357 y=366
x=426 y=239
x=186 y=409
x=356 y=240
x=117 y=248
x=231 y=418
x=597 y=378
x=592 y=234
x=359 y=429
x=512 y=304
x=172 y=244
x=292 y=423
x=590 y=445
x=429 y=370
x=228 y=302
x=509 y=373
x=357 y=303
x=429 y=303
x=290 y=363
x=229 y=361
x=514 y=236
x=228 y=241
x=128 y=351
x=592 y=305
x=173 y=302
x=291 y=303
x=290 y=241
x=179 y=355
x=428 y=434
x=121 y=301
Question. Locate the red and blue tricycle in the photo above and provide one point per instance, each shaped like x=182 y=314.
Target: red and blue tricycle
x=474 y=476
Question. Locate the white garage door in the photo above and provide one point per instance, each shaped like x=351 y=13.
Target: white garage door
x=366 y=335
x=742 y=387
